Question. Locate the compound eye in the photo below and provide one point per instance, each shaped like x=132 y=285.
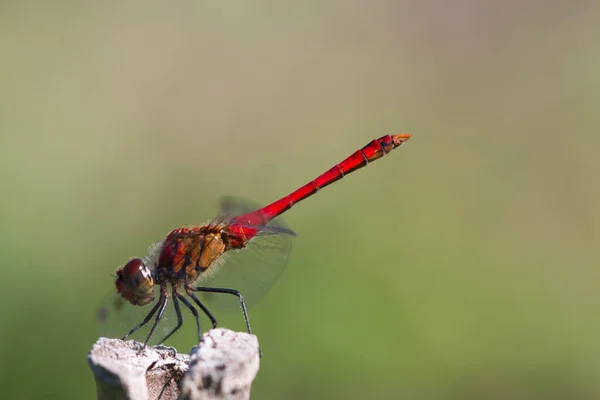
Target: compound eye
x=134 y=268
x=135 y=282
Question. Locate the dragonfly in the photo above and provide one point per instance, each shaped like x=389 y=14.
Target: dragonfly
x=188 y=256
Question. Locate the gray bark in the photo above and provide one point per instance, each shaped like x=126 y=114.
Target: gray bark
x=222 y=367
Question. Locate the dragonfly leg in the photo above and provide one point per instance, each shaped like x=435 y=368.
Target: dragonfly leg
x=213 y=320
x=194 y=311
x=179 y=318
x=163 y=305
x=148 y=318
x=229 y=291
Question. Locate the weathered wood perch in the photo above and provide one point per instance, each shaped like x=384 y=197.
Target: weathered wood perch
x=222 y=367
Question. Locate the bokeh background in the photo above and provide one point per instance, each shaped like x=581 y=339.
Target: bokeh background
x=463 y=265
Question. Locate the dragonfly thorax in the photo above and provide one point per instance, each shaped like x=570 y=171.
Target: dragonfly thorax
x=213 y=247
x=186 y=253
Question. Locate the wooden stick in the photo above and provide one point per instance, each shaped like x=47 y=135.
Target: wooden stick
x=222 y=367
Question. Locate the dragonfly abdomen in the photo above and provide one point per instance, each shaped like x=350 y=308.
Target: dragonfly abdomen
x=371 y=152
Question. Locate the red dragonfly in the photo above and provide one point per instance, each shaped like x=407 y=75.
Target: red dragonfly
x=193 y=254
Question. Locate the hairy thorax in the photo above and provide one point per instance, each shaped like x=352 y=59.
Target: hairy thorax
x=187 y=253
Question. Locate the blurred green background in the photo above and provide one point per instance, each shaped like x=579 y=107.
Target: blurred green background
x=463 y=265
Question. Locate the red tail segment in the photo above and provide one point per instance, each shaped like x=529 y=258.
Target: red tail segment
x=371 y=152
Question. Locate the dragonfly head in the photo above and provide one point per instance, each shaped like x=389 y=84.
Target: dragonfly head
x=135 y=282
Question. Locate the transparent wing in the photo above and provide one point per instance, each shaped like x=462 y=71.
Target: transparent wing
x=252 y=270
